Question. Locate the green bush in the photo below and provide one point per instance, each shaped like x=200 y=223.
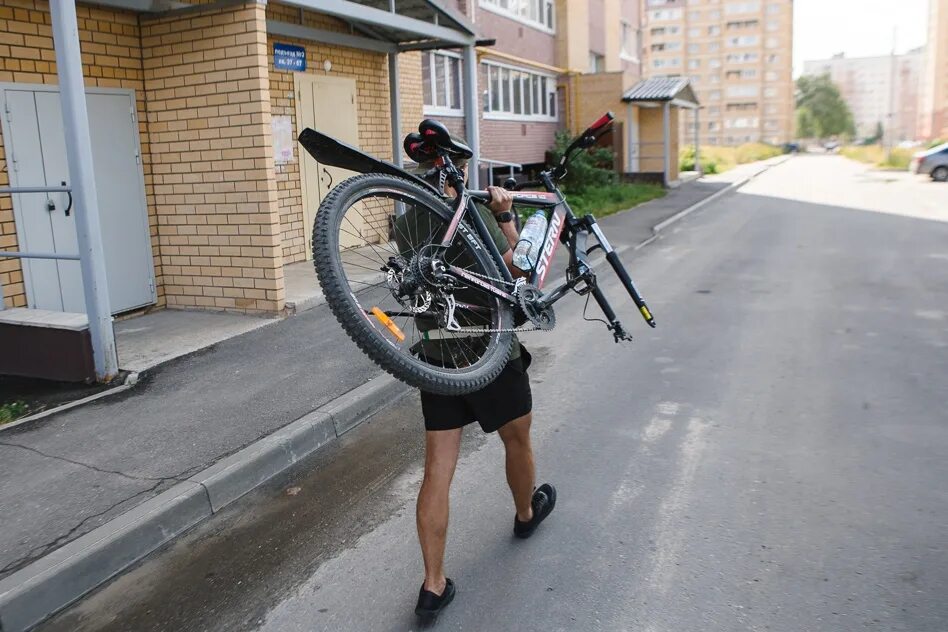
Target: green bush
x=686 y=161
x=935 y=143
x=899 y=159
x=609 y=199
x=717 y=159
x=588 y=169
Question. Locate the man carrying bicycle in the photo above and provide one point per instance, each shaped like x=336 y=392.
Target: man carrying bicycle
x=503 y=406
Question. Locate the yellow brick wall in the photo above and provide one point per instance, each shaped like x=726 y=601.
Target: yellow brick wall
x=370 y=70
x=214 y=187
x=111 y=56
x=410 y=89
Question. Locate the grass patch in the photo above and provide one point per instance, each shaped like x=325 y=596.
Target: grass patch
x=874 y=155
x=718 y=159
x=612 y=198
x=11 y=411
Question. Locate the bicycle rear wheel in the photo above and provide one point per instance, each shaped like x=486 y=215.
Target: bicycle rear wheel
x=375 y=244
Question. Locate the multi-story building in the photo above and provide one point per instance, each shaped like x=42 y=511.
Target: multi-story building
x=933 y=104
x=519 y=105
x=738 y=56
x=881 y=90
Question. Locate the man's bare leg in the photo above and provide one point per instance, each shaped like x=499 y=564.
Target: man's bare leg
x=521 y=473
x=441 y=457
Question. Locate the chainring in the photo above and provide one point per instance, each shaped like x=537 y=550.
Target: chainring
x=543 y=318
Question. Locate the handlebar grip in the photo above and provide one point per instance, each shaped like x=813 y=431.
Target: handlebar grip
x=601 y=122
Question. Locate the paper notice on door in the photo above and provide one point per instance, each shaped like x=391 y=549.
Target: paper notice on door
x=282 y=139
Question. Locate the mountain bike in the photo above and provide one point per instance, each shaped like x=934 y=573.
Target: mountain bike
x=415 y=278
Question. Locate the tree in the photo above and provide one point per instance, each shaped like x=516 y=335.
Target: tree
x=826 y=113
x=806 y=123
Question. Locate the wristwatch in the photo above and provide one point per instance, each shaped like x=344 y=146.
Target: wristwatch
x=504 y=218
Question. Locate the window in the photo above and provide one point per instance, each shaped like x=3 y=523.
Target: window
x=771 y=125
x=770 y=109
x=714 y=78
x=536 y=13
x=743 y=40
x=714 y=110
x=714 y=95
x=597 y=62
x=712 y=126
x=694 y=63
x=694 y=48
x=770 y=92
x=658 y=3
x=773 y=59
x=666 y=46
x=741 y=7
x=714 y=63
x=666 y=63
x=773 y=8
x=772 y=42
x=658 y=15
x=695 y=79
x=714 y=46
x=694 y=16
x=741 y=123
x=694 y=32
x=520 y=94
x=441 y=82
x=770 y=75
x=714 y=30
x=741 y=58
x=773 y=25
x=742 y=91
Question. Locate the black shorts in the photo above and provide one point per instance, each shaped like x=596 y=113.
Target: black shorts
x=503 y=400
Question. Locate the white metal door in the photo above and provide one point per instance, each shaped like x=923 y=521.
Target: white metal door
x=327 y=104
x=37 y=152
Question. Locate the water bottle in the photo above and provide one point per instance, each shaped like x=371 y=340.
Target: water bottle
x=531 y=241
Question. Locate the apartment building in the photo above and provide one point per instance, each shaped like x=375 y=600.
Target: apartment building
x=878 y=90
x=738 y=57
x=519 y=106
x=933 y=104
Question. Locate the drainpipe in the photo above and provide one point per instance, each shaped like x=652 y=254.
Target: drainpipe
x=666 y=133
x=472 y=115
x=79 y=154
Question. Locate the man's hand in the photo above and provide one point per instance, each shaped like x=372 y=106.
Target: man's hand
x=500 y=199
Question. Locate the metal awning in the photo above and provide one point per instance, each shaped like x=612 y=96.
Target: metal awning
x=387 y=26
x=676 y=90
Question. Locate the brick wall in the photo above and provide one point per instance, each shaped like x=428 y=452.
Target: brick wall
x=111 y=56
x=370 y=70
x=215 y=193
x=410 y=90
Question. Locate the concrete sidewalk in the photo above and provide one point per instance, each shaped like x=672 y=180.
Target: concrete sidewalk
x=89 y=491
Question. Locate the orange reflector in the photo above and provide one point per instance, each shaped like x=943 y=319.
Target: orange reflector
x=385 y=320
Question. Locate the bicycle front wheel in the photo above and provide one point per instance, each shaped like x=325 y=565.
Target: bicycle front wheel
x=376 y=242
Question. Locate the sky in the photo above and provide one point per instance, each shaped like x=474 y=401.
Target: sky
x=859 y=28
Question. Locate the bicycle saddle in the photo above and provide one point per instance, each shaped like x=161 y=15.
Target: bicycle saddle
x=431 y=137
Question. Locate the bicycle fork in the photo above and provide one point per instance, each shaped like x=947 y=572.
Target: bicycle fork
x=581 y=231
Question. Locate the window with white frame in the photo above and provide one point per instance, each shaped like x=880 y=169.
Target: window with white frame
x=772 y=42
x=742 y=91
x=741 y=7
x=714 y=30
x=597 y=62
x=773 y=8
x=770 y=75
x=666 y=63
x=743 y=40
x=520 y=94
x=694 y=48
x=770 y=92
x=658 y=15
x=441 y=83
x=773 y=59
x=536 y=13
x=694 y=63
x=714 y=95
x=694 y=32
x=714 y=46
x=773 y=25
x=714 y=62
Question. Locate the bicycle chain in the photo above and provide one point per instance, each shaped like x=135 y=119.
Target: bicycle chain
x=522 y=328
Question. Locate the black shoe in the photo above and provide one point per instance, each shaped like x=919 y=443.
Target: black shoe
x=544 y=499
x=430 y=604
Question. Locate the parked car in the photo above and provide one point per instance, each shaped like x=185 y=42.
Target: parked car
x=932 y=162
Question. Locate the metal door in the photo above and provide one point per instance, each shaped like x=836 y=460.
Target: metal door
x=326 y=104
x=36 y=152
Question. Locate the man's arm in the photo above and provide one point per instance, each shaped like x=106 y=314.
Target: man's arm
x=501 y=201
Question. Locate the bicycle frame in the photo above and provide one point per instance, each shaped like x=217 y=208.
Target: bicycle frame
x=563 y=227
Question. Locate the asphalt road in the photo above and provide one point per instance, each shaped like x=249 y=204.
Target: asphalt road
x=772 y=457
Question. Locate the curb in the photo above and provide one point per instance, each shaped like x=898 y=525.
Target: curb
x=680 y=215
x=48 y=585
